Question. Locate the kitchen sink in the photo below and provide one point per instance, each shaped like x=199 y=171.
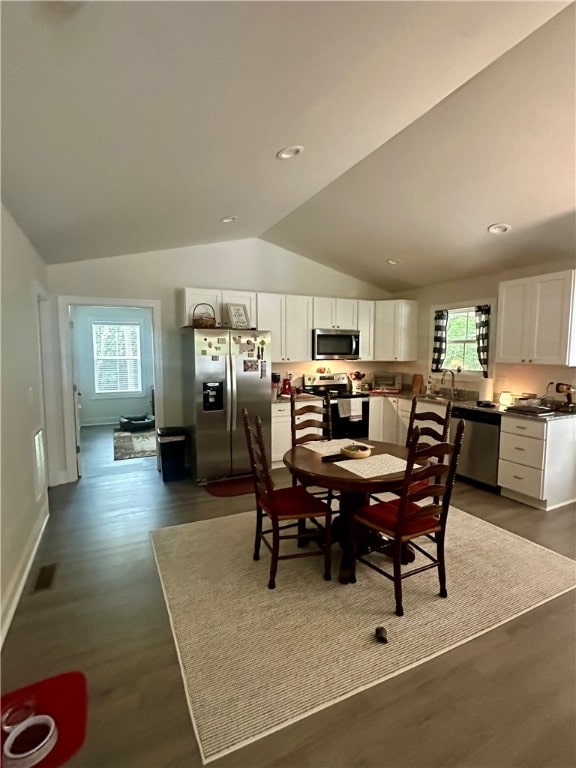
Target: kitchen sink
x=434 y=398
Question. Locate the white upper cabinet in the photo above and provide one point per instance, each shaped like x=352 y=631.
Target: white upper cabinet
x=271 y=317
x=289 y=318
x=335 y=313
x=366 y=328
x=537 y=320
x=395 y=330
x=198 y=302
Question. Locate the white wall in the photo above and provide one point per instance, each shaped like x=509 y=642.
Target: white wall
x=516 y=378
x=24 y=508
x=107 y=409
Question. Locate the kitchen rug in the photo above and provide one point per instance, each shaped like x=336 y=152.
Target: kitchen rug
x=234 y=486
x=134 y=445
x=241 y=645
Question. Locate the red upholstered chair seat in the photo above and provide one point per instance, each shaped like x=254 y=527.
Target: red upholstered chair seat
x=296 y=502
x=384 y=516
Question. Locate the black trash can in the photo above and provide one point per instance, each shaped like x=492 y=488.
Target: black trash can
x=172 y=453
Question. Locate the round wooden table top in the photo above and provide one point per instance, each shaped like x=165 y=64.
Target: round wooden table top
x=307 y=465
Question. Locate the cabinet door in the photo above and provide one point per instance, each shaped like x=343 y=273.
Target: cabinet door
x=513 y=299
x=347 y=314
x=190 y=298
x=376 y=418
x=366 y=328
x=298 y=328
x=241 y=297
x=271 y=313
x=551 y=314
x=403 y=408
x=324 y=312
x=384 y=330
x=406 y=322
x=281 y=437
x=390 y=419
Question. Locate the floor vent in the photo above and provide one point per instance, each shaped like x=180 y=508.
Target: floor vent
x=45 y=577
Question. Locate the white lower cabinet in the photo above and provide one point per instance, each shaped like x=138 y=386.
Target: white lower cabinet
x=537 y=463
x=282 y=433
x=382 y=419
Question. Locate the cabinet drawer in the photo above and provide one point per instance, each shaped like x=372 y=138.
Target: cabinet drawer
x=526 y=427
x=526 y=480
x=280 y=409
x=522 y=450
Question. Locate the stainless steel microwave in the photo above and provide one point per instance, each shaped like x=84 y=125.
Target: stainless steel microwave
x=335 y=344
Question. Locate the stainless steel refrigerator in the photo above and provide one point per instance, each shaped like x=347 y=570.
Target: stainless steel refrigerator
x=224 y=371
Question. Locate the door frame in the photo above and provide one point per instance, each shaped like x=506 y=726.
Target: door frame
x=66 y=364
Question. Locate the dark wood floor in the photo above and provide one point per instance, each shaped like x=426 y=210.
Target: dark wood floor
x=503 y=700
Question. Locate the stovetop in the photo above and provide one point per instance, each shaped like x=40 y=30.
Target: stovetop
x=335 y=394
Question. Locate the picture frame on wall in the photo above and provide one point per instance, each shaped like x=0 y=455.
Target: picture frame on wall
x=238 y=316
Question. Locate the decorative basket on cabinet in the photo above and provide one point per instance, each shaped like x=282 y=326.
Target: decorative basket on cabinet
x=202 y=318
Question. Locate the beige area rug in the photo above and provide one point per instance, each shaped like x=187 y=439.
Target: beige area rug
x=134 y=445
x=254 y=660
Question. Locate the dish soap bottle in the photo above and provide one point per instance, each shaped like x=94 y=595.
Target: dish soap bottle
x=428 y=385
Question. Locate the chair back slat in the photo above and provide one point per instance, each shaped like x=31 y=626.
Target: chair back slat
x=302 y=425
x=421 y=419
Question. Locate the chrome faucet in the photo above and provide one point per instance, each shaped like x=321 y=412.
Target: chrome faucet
x=452 y=390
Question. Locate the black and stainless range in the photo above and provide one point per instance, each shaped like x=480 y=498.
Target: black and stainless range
x=350 y=412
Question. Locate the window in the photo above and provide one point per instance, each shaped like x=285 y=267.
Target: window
x=461 y=346
x=117 y=361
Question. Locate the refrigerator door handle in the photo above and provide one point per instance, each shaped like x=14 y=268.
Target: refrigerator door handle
x=229 y=394
x=233 y=393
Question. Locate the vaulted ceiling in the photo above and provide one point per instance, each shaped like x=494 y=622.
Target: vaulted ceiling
x=137 y=126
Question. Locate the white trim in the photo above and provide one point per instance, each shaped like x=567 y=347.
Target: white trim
x=18 y=580
x=66 y=352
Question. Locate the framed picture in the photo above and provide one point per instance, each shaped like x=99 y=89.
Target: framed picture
x=238 y=316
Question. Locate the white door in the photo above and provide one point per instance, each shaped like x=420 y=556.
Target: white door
x=324 y=312
x=347 y=314
x=513 y=298
x=298 y=328
x=271 y=311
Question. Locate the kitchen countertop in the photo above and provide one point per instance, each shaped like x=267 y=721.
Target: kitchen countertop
x=472 y=405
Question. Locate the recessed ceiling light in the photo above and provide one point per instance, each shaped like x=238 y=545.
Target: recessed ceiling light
x=229 y=219
x=393 y=261
x=289 y=152
x=499 y=229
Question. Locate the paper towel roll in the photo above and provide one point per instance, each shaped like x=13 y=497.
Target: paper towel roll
x=486 y=389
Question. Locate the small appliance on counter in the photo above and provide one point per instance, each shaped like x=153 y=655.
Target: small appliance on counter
x=286 y=390
x=569 y=406
x=387 y=383
x=275 y=386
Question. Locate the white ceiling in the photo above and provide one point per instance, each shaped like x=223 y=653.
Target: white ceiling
x=136 y=126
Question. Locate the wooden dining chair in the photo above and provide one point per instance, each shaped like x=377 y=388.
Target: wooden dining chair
x=433 y=429
x=306 y=418
x=284 y=508
x=404 y=520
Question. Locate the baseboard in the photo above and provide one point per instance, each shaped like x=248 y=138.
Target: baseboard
x=18 y=581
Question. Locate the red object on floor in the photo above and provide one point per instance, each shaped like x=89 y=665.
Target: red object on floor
x=65 y=698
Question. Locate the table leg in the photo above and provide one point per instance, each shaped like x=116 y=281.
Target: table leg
x=349 y=503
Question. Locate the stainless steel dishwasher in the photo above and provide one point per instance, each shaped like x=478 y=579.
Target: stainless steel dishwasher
x=480 y=447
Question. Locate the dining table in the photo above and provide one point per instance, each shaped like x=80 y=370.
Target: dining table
x=354 y=480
